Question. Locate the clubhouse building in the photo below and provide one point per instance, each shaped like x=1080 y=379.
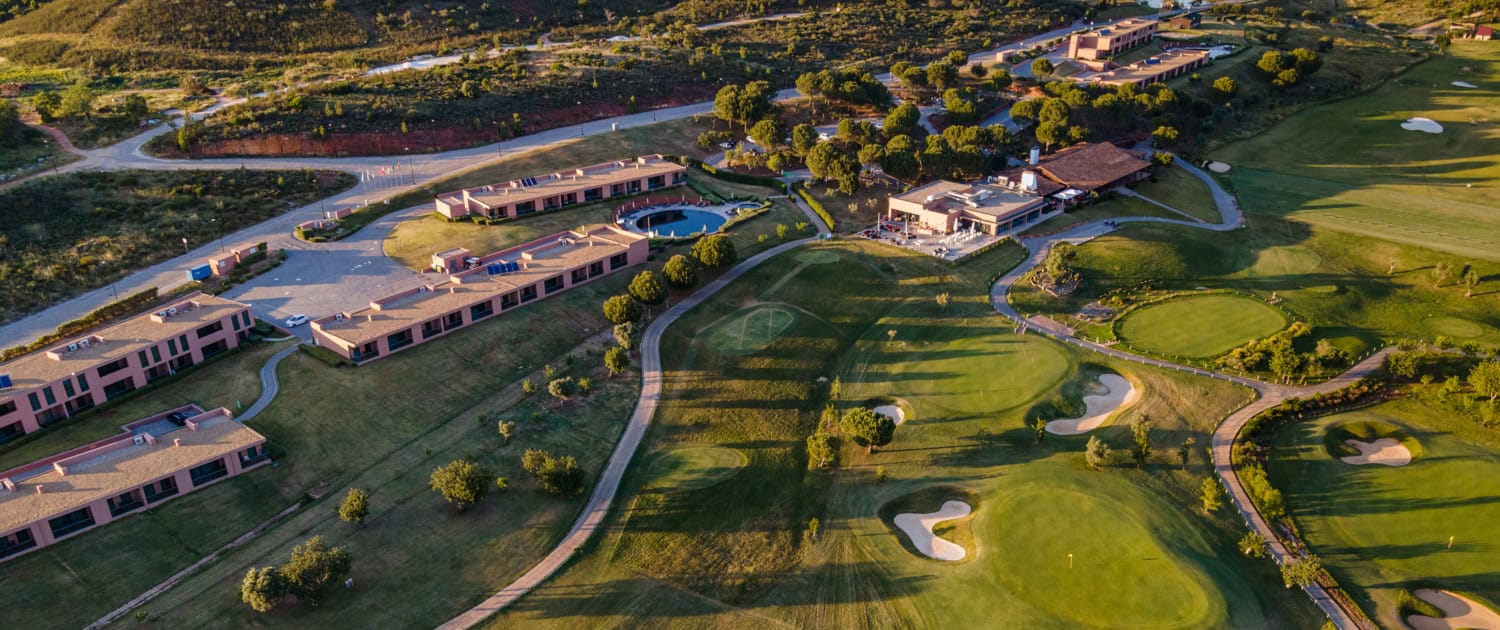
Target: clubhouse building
x=1157 y=68
x=479 y=287
x=154 y=460
x=1107 y=41
x=541 y=193
x=1071 y=173
x=46 y=386
x=946 y=207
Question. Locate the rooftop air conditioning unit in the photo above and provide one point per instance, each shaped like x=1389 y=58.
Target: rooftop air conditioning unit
x=338 y=317
x=72 y=347
x=140 y=439
x=161 y=314
x=83 y=343
x=172 y=311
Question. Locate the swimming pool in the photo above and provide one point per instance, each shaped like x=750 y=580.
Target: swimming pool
x=673 y=222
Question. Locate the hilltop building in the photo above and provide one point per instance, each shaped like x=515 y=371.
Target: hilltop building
x=1108 y=41
x=541 y=193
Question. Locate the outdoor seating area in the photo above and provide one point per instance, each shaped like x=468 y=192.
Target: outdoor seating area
x=910 y=235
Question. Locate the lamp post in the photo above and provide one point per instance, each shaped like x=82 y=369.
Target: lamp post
x=215 y=221
x=184 y=246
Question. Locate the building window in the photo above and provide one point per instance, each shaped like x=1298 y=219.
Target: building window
x=155 y=354
x=453 y=320
x=210 y=472
x=509 y=300
x=51 y=398
x=617 y=261
x=245 y=318
x=111 y=368
x=481 y=310
x=253 y=455
x=171 y=350
x=7 y=407
x=142 y=357
x=635 y=186
x=593 y=194
x=160 y=490
x=125 y=504
x=118 y=388
x=616 y=190
x=83 y=382
x=553 y=285
x=71 y=522
x=528 y=294
x=399 y=340
x=570 y=199
x=14 y=543
x=580 y=275
x=215 y=348
x=656 y=182
x=182 y=341
x=68 y=388
x=526 y=207
x=431 y=329
x=596 y=268
x=11 y=431
x=36 y=403
x=368 y=351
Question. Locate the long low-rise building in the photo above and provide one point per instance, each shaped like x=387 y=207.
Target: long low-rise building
x=541 y=193
x=948 y=207
x=479 y=287
x=1108 y=41
x=1162 y=67
x=154 y=460
x=47 y=386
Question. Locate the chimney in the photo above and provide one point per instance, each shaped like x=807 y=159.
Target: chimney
x=1028 y=180
x=1036 y=156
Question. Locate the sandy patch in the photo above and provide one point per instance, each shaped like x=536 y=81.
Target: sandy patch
x=1218 y=167
x=1384 y=451
x=1098 y=407
x=1426 y=125
x=918 y=528
x=1464 y=84
x=1458 y=612
x=891 y=411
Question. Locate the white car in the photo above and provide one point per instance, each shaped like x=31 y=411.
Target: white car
x=295 y=321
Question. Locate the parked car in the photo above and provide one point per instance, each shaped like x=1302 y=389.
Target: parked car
x=295 y=321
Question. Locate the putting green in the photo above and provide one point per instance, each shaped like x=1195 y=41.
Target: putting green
x=1127 y=571
x=694 y=468
x=1292 y=260
x=1380 y=528
x=749 y=330
x=1199 y=326
x=1453 y=326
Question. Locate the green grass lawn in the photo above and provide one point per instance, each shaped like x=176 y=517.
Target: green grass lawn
x=1334 y=280
x=413 y=242
x=1349 y=166
x=735 y=554
x=1380 y=529
x=1182 y=191
x=1116 y=206
x=1199 y=326
x=228 y=382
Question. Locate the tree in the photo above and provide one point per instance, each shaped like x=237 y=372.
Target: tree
x=1185 y=450
x=1305 y=61
x=867 y=428
x=312 y=567
x=1441 y=272
x=941 y=74
x=1401 y=364
x=781 y=230
x=558 y=476
x=767 y=133
x=627 y=335
x=462 y=482
x=10 y=120
x=1039 y=427
x=745 y=104
x=621 y=309
x=355 y=507
x=647 y=288
x=804 y=138
x=1140 y=432
x=46 y=104
x=822 y=451
x=502 y=483
x=714 y=251
x=1272 y=62
x=617 y=360
x=506 y=429
x=777 y=162
x=902 y=121
x=1096 y=453
x=812 y=528
x=871 y=154
x=1285 y=362
x=1253 y=545
x=262 y=588
x=1485 y=379
x=1041 y=67
x=1164 y=136
x=528 y=386
x=1471 y=281
x=820 y=160
x=943 y=300
x=961 y=110
x=77 y=100
x=977 y=69
x=135 y=107
x=1050 y=133
x=1212 y=494
x=561 y=388
x=1301 y=571
x=585 y=384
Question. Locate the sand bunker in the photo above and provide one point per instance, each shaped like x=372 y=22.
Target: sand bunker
x=1098 y=407
x=1464 y=84
x=918 y=528
x=1218 y=167
x=1426 y=125
x=1458 y=612
x=891 y=411
x=1384 y=451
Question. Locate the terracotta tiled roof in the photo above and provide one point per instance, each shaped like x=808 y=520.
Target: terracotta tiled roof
x=1091 y=166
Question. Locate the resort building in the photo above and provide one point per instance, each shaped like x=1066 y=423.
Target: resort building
x=155 y=459
x=946 y=207
x=49 y=385
x=1162 y=67
x=541 y=193
x=479 y=287
x=1083 y=168
x=1108 y=41
x=1186 y=22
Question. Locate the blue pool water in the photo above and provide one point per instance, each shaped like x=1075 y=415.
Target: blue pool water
x=680 y=222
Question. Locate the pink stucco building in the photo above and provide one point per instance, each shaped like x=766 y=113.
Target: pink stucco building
x=527 y=195
x=478 y=288
x=154 y=460
x=47 y=386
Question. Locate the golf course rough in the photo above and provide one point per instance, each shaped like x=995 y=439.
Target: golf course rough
x=1199 y=326
x=749 y=330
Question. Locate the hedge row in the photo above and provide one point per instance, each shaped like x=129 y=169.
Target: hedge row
x=816 y=205
x=128 y=305
x=731 y=176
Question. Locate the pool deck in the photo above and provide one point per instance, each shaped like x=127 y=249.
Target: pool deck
x=726 y=211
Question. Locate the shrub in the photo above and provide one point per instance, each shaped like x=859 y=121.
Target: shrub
x=714 y=251
x=329 y=357
x=461 y=482
x=679 y=272
x=647 y=288
x=621 y=309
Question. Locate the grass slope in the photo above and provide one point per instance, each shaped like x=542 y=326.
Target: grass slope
x=737 y=553
x=1348 y=165
x=1381 y=529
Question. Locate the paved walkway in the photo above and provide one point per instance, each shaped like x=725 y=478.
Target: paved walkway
x=269 y=386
